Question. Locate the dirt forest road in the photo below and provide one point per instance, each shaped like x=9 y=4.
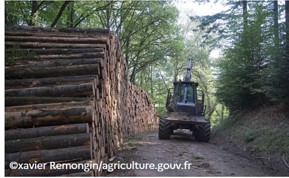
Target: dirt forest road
x=207 y=159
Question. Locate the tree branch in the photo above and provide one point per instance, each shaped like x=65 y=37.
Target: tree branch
x=60 y=12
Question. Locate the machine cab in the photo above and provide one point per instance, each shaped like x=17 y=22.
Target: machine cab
x=185 y=98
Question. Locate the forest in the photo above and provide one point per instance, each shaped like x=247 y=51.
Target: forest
x=253 y=36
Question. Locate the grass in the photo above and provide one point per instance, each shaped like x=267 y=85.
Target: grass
x=263 y=130
x=250 y=134
x=273 y=141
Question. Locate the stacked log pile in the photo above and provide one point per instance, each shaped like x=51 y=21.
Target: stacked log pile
x=68 y=99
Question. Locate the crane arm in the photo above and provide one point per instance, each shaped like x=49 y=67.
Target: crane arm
x=189 y=71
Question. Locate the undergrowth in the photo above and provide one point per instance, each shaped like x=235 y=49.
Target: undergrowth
x=262 y=130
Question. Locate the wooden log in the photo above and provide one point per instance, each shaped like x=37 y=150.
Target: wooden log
x=15 y=73
x=48 y=117
x=51 y=45
x=28 y=100
x=54 y=51
x=47 y=142
x=79 y=90
x=55 y=63
x=52 y=39
x=56 y=34
x=49 y=106
x=40 y=172
x=79 y=174
x=43 y=156
x=32 y=57
x=37 y=82
x=14 y=134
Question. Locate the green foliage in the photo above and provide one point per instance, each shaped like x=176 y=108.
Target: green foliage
x=254 y=69
x=156 y=48
x=251 y=133
x=273 y=141
x=252 y=72
x=258 y=130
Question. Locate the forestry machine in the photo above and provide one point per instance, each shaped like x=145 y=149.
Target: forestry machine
x=185 y=110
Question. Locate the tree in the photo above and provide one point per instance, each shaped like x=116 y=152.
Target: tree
x=287 y=26
x=60 y=12
x=245 y=14
x=276 y=25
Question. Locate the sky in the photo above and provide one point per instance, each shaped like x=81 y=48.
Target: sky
x=189 y=8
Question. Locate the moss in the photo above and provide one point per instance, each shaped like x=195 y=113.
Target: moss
x=11 y=55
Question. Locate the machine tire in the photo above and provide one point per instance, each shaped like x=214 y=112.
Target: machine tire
x=203 y=132
x=165 y=129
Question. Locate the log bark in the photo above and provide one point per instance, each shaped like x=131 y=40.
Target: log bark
x=40 y=172
x=118 y=108
x=14 y=134
x=18 y=101
x=16 y=73
x=32 y=57
x=71 y=103
x=56 y=51
x=79 y=90
x=47 y=142
x=37 y=82
x=56 y=63
x=43 y=156
x=58 y=34
x=52 y=45
x=68 y=39
x=79 y=174
x=46 y=117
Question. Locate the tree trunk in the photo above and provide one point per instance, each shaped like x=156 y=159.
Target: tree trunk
x=51 y=45
x=287 y=28
x=22 y=73
x=60 y=12
x=58 y=63
x=47 y=142
x=46 y=131
x=33 y=57
x=151 y=82
x=55 y=51
x=44 y=106
x=42 y=156
x=44 y=39
x=16 y=101
x=79 y=90
x=33 y=15
x=38 y=82
x=276 y=25
x=48 y=117
x=245 y=14
x=70 y=17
